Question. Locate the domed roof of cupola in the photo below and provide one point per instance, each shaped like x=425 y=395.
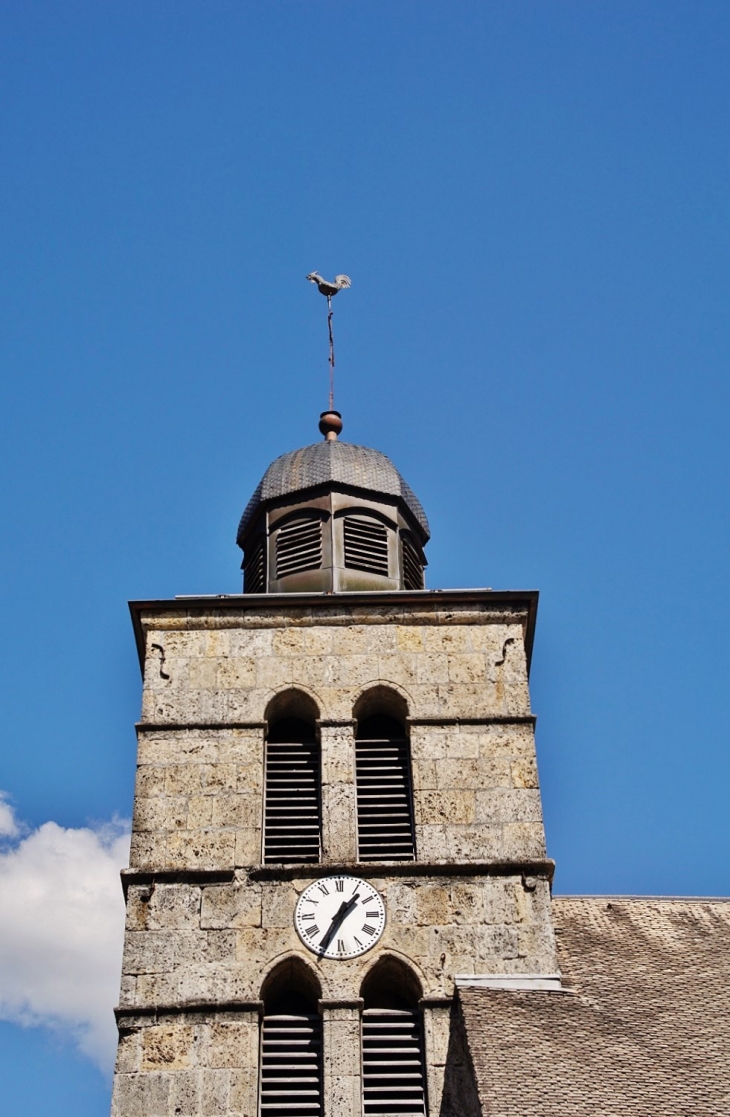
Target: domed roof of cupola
x=338 y=463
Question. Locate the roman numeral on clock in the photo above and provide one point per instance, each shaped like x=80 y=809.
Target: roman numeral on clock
x=340 y=885
x=372 y=914
x=308 y=915
x=323 y=889
x=367 y=929
x=340 y=946
x=312 y=931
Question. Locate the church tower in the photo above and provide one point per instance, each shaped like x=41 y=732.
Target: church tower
x=337 y=820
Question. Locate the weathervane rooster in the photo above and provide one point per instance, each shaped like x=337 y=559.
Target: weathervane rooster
x=329 y=290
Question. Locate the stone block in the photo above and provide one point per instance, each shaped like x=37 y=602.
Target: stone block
x=231 y=905
x=341 y=1047
x=167 y=1047
x=204 y=947
x=474 y=843
x=277 y=906
x=255 y=642
x=524 y=773
x=150 y=781
x=433 y=903
x=342 y=1096
x=339 y=814
x=236 y=674
x=214 y=1092
x=250 y=777
x=431 y=843
x=467 y=902
x=247 y=847
x=200 y=812
x=401 y=901
x=401 y=669
x=203 y=673
x=467 y=668
x=501 y=902
x=180 y=779
x=129 y=1053
x=432 y=667
x=423 y=773
x=157 y=988
x=171 y=907
x=275 y=673
x=233 y=1044
x=162 y=813
x=147 y=952
x=185 y=1094
x=201 y=849
x=338 y=754
x=458 y=773
x=141 y=1095
x=500 y=805
x=451 y=807
x=214 y=778
x=411 y=941
x=238 y=811
x=436 y=1034
x=409 y=639
x=524 y=839
x=446 y=638
x=243 y=1096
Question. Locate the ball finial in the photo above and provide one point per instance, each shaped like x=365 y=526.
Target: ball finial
x=330 y=424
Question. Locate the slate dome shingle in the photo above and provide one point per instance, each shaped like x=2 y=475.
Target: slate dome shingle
x=342 y=463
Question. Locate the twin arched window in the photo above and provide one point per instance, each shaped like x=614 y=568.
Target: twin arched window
x=292 y=782
x=392 y=1047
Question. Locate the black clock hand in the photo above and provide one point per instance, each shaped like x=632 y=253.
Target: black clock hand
x=343 y=910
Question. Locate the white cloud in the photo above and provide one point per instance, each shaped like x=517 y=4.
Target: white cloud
x=61 y=929
x=8 y=825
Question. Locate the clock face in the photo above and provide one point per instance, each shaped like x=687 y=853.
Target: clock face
x=339 y=917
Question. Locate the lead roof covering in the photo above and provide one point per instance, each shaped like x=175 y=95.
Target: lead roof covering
x=343 y=463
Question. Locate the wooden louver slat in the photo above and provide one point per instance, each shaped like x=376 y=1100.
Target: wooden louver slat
x=292 y=802
x=366 y=545
x=254 y=568
x=392 y=1063
x=384 y=796
x=291 y=1066
x=412 y=568
x=299 y=547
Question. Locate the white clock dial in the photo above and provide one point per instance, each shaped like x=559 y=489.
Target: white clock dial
x=339 y=917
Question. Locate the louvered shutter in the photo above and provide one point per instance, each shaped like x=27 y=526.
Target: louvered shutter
x=292 y=794
x=298 y=547
x=366 y=545
x=291 y=1066
x=384 y=795
x=412 y=568
x=392 y=1063
x=254 y=567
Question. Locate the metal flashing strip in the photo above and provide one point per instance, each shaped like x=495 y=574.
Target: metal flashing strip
x=518 y=982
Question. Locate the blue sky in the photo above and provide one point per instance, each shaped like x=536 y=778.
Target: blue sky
x=532 y=202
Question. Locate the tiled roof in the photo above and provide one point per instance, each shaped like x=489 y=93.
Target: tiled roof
x=644 y=1031
x=345 y=463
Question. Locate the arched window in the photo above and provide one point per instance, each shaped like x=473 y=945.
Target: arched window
x=393 y=1064
x=292 y=805
x=291 y=1045
x=385 y=830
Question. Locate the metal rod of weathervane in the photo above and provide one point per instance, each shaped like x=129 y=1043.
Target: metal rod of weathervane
x=329 y=290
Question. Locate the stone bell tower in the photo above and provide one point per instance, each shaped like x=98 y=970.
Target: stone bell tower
x=337 y=819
